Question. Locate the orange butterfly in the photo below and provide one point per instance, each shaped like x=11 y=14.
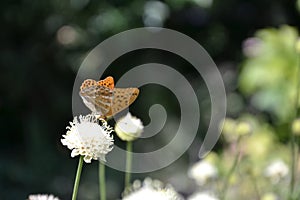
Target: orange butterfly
x=103 y=99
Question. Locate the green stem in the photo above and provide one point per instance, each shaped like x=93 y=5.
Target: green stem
x=102 y=184
x=297 y=111
x=229 y=174
x=294 y=150
x=293 y=155
x=294 y=164
x=77 y=179
x=128 y=163
x=256 y=188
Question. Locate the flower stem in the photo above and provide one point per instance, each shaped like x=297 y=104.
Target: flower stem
x=294 y=151
x=128 y=163
x=77 y=179
x=255 y=185
x=229 y=174
x=293 y=163
x=102 y=184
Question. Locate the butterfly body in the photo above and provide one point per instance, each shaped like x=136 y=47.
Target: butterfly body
x=103 y=99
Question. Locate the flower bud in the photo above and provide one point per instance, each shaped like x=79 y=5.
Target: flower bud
x=296 y=126
x=269 y=196
x=298 y=46
x=243 y=128
x=129 y=128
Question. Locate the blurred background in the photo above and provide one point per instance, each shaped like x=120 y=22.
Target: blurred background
x=44 y=42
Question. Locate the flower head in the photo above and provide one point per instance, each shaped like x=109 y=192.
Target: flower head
x=233 y=129
x=298 y=45
x=87 y=138
x=202 y=196
x=151 y=189
x=203 y=172
x=129 y=128
x=42 y=197
x=252 y=47
x=296 y=126
x=276 y=171
x=269 y=196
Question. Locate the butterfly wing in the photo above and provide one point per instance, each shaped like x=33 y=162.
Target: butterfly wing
x=87 y=83
x=108 y=82
x=103 y=99
x=122 y=98
x=96 y=97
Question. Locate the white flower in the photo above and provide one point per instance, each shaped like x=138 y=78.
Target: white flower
x=202 y=196
x=129 y=128
x=42 y=197
x=151 y=189
x=202 y=172
x=276 y=171
x=87 y=138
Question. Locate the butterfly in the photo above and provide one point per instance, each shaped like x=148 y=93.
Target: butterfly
x=103 y=99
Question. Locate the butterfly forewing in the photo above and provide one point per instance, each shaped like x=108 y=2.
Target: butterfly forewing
x=108 y=82
x=87 y=83
x=97 y=98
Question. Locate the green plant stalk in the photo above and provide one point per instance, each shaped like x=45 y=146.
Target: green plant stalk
x=294 y=151
x=229 y=174
x=297 y=193
x=256 y=188
x=102 y=183
x=77 y=179
x=128 y=163
x=293 y=163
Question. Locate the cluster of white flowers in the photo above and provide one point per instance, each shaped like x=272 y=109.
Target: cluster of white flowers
x=151 y=189
x=87 y=138
x=276 y=171
x=42 y=197
x=203 y=172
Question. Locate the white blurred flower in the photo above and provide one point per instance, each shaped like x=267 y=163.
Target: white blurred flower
x=67 y=35
x=155 y=13
x=42 y=197
x=151 y=189
x=252 y=47
x=87 y=138
x=276 y=171
x=203 y=172
x=202 y=196
x=129 y=128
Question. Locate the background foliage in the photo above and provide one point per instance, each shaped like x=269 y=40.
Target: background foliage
x=39 y=65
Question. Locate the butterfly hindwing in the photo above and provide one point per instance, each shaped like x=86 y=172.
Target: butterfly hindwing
x=123 y=98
